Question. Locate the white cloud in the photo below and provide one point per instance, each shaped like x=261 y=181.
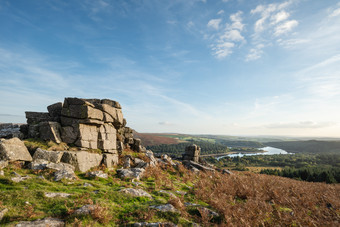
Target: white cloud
x=214 y=23
x=280 y=16
x=233 y=35
x=290 y=43
x=335 y=12
x=285 y=27
x=220 y=12
x=255 y=53
x=229 y=37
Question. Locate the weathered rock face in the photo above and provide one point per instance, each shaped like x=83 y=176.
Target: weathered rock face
x=192 y=153
x=86 y=123
x=14 y=150
x=82 y=160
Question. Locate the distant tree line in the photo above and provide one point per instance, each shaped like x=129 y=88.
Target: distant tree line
x=179 y=149
x=312 y=174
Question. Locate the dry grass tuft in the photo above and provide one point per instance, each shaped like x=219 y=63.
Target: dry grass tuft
x=258 y=200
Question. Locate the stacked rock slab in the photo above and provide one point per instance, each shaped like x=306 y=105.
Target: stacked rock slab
x=192 y=153
x=86 y=123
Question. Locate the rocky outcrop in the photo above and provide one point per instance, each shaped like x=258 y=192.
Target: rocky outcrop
x=9 y=130
x=14 y=150
x=192 y=153
x=86 y=123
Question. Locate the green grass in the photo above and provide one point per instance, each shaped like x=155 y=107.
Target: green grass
x=26 y=200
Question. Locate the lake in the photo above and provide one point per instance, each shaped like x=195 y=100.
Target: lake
x=268 y=151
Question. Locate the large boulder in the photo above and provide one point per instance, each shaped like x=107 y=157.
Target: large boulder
x=192 y=153
x=82 y=160
x=51 y=156
x=88 y=136
x=82 y=112
x=14 y=150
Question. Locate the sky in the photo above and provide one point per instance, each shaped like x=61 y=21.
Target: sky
x=232 y=67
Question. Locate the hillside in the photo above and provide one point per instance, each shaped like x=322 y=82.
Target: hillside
x=240 y=199
x=309 y=146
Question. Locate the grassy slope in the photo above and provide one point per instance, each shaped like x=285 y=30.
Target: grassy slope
x=242 y=199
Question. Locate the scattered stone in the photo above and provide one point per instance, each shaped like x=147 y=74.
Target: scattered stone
x=51 y=156
x=82 y=160
x=136 y=192
x=87 y=185
x=64 y=174
x=2 y=173
x=14 y=150
x=46 y=222
x=41 y=177
x=153 y=161
x=56 y=194
x=154 y=224
x=209 y=212
x=98 y=173
x=20 y=178
x=84 y=210
x=134 y=173
x=38 y=164
x=136 y=183
x=165 y=208
x=198 y=166
x=2 y=213
x=96 y=191
x=167 y=159
x=3 y=164
x=225 y=171
x=126 y=164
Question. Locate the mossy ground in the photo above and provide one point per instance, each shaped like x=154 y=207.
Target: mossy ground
x=241 y=199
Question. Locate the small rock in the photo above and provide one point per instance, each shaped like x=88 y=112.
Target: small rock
x=136 y=183
x=136 y=192
x=2 y=173
x=87 y=185
x=19 y=179
x=3 y=164
x=2 y=213
x=225 y=171
x=56 y=194
x=84 y=210
x=165 y=208
x=134 y=173
x=210 y=213
x=41 y=177
x=126 y=164
x=64 y=174
x=96 y=191
x=15 y=174
x=46 y=222
x=190 y=204
x=38 y=164
x=98 y=173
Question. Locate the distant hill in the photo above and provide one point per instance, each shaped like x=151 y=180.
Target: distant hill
x=152 y=139
x=309 y=146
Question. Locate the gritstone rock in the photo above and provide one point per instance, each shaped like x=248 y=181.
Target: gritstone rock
x=46 y=222
x=14 y=150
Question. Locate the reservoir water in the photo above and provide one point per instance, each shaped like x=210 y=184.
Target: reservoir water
x=268 y=151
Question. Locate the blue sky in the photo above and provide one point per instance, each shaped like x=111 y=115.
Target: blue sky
x=231 y=67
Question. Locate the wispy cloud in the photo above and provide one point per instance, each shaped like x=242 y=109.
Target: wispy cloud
x=214 y=23
x=301 y=125
x=228 y=37
x=274 y=21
